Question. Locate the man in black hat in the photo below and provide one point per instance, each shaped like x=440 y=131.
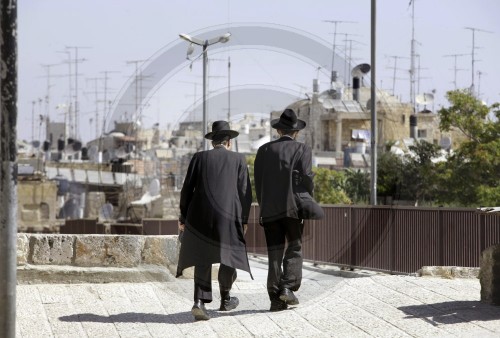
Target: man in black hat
x=273 y=171
x=214 y=208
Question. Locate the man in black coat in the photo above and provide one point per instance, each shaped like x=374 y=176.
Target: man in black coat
x=274 y=183
x=214 y=208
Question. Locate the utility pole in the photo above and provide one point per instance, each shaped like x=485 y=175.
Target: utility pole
x=373 y=104
x=455 y=69
x=8 y=167
x=474 y=30
x=335 y=23
x=412 y=59
x=229 y=89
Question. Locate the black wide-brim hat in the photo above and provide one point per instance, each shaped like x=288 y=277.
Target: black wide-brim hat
x=288 y=121
x=221 y=129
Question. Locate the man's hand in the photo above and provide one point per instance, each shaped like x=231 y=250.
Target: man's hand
x=245 y=228
x=181 y=226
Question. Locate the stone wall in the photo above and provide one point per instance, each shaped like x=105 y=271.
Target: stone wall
x=490 y=275
x=120 y=251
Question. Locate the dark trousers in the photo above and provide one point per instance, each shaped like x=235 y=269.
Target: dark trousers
x=284 y=271
x=203 y=281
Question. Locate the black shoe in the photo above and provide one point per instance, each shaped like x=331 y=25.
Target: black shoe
x=199 y=311
x=228 y=303
x=288 y=297
x=278 y=305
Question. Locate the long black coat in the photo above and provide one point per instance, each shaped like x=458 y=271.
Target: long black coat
x=215 y=203
x=273 y=167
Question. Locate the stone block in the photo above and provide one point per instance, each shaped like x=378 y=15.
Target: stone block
x=160 y=250
x=51 y=249
x=23 y=247
x=108 y=250
x=449 y=271
x=489 y=275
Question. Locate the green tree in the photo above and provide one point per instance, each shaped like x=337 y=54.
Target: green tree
x=329 y=186
x=389 y=175
x=250 y=163
x=419 y=181
x=473 y=171
x=357 y=186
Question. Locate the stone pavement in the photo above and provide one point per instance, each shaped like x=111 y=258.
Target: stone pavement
x=330 y=306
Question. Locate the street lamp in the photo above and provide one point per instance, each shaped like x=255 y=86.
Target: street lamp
x=204 y=43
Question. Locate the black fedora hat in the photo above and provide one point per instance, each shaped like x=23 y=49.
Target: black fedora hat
x=221 y=129
x=288 y=121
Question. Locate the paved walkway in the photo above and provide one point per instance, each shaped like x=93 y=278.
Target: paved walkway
x=330 y=306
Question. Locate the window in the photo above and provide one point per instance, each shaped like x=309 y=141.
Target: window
x=422 y=133
x=403 y=119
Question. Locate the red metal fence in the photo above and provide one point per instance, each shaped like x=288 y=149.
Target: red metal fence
x=392 y=239
x=386 y=238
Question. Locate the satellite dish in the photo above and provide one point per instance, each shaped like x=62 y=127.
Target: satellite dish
x=72 y=147
x=424 y=99
x=327 y=94
x=445 y=142
x=124 y=150
x=116 y=134
x=154 y=187
x=327 y=103
x=360 y=70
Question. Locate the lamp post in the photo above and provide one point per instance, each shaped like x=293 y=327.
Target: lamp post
x=204 y=44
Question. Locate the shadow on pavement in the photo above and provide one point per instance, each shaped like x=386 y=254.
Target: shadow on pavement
x=452 y=312
x=135 y=317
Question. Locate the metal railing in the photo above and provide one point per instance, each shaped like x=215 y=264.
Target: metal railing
x=392 y=239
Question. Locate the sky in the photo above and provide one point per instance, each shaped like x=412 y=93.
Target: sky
x=118 y=39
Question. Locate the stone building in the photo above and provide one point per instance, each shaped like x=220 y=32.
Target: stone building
x=339 y=126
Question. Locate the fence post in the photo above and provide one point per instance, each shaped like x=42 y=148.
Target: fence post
x=482 y=233
x=393 y=240
x=441 y=237
x=353 y=236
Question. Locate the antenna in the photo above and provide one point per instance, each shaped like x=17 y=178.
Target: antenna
x=47 y=95
x=395 y=57
x=346 y=59
x=335 y=22
x=76 y=61
x=107 y=104
x=350 y=56
x=473 y=53
x=412 y=61
x=136 y=63
x=455 y=69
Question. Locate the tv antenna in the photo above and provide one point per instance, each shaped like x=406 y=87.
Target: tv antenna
x=474 y=30
x=395 y=68
x=334 y=22
x=455 y=69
